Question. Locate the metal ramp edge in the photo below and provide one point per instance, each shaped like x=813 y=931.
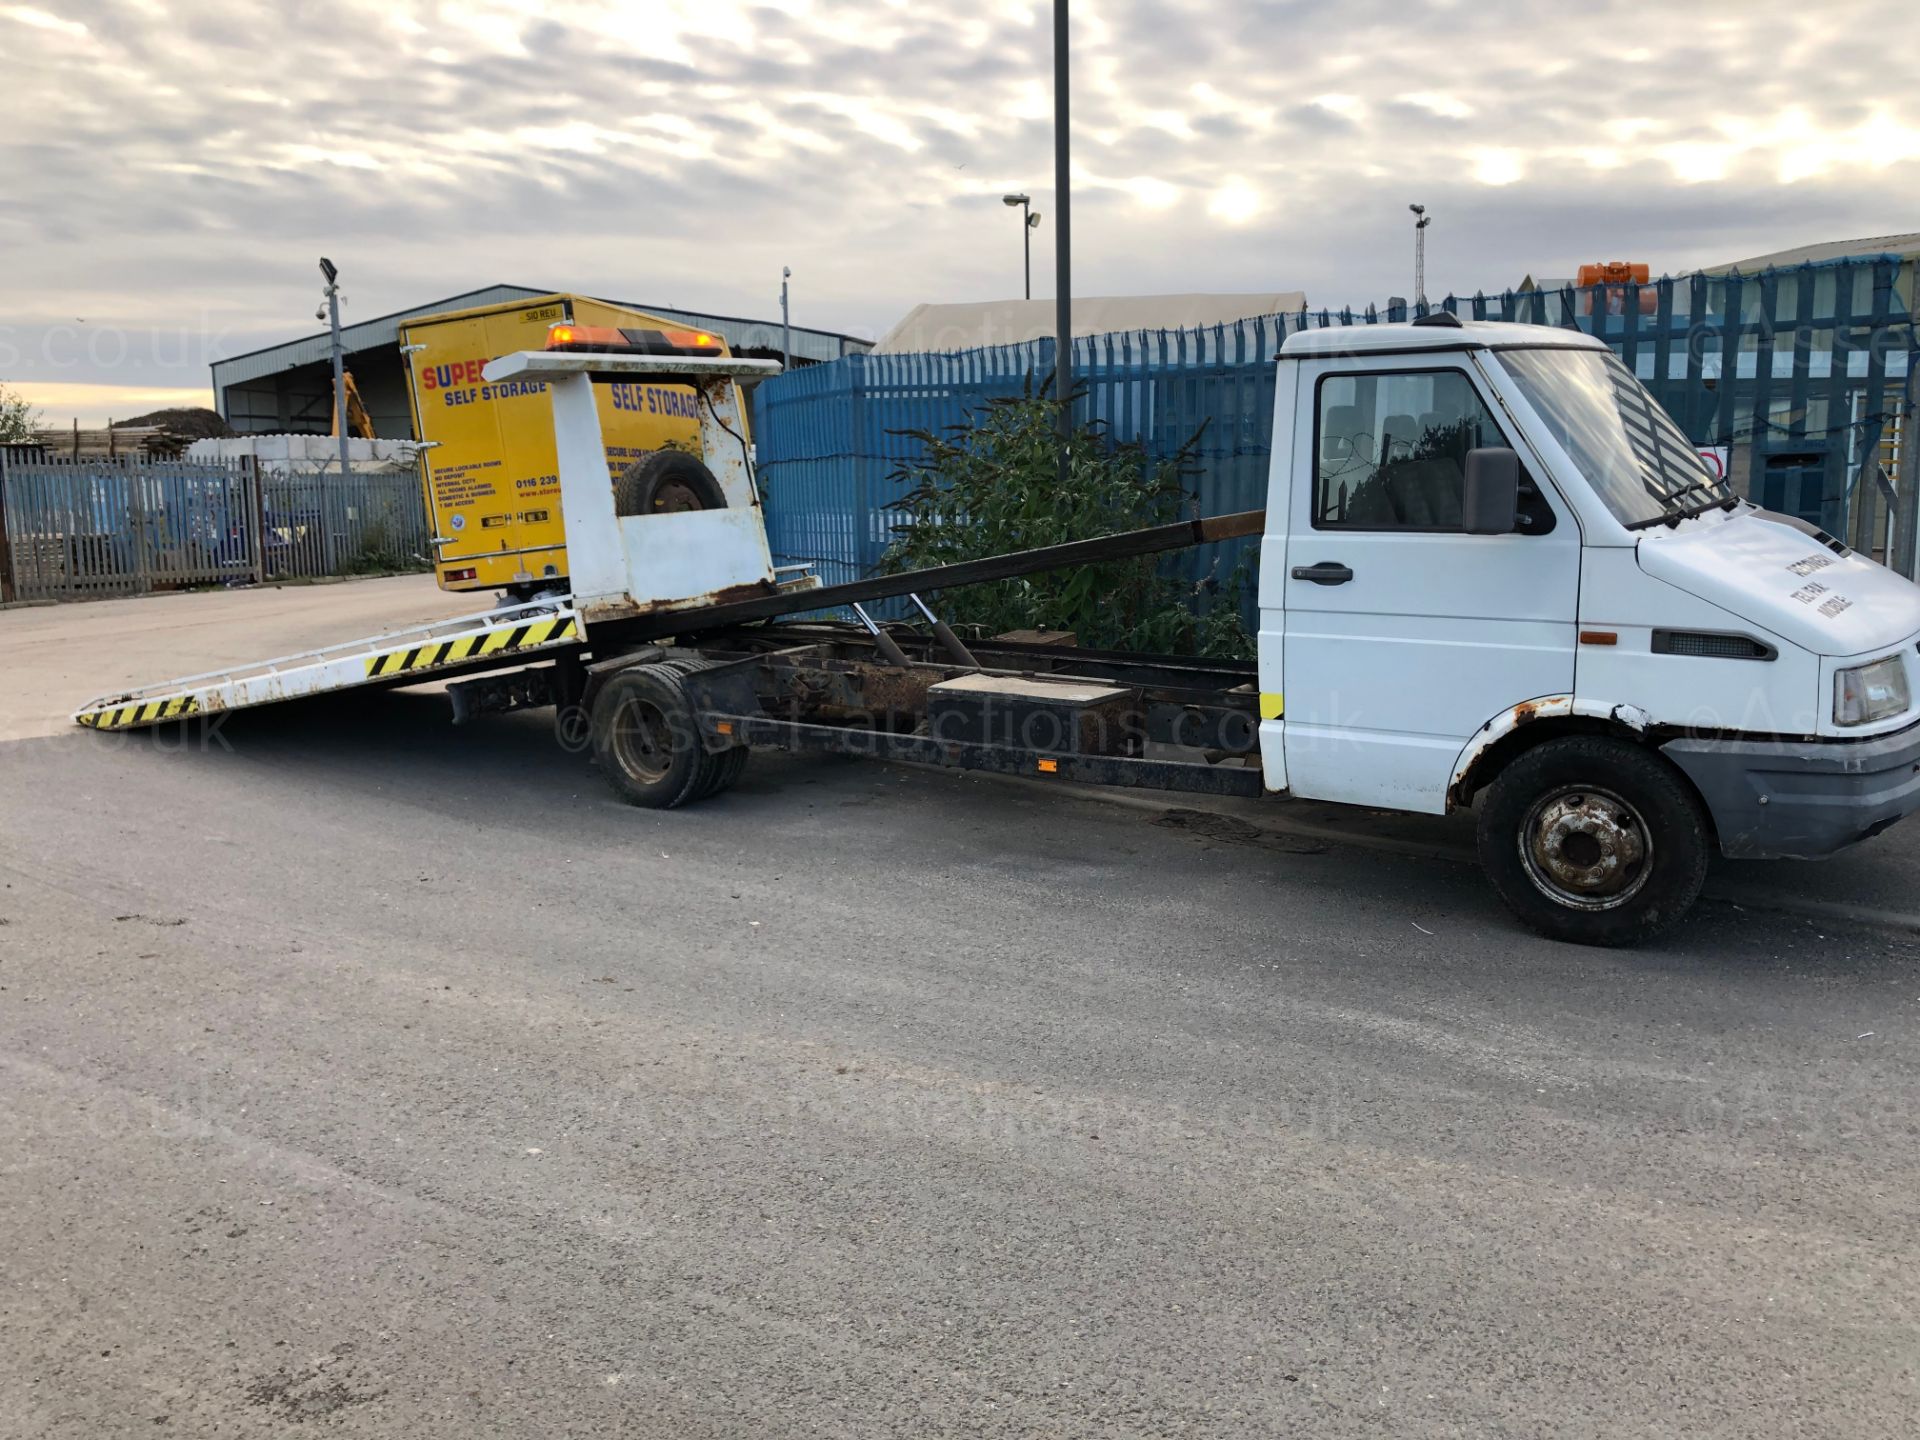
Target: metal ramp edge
x=464 y=643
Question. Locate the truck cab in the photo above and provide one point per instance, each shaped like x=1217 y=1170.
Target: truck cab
x=1495 y=571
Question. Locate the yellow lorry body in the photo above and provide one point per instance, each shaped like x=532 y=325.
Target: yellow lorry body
x=491 y=479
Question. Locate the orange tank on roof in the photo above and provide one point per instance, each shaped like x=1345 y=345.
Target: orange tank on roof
x=1613 y=272
x=1606 y=286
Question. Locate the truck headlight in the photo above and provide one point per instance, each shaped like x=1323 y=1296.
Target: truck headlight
x=1873 y=692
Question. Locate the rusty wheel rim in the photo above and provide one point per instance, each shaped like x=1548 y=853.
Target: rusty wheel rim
x=643 y=741
x=674 y=497
x=1586 y=848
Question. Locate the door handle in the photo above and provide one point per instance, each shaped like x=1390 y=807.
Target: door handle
x=1327 y=572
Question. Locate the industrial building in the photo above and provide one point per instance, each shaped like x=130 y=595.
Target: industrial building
x=288 y=388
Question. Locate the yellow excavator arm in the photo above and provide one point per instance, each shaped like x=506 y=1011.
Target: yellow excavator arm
x=357 y=417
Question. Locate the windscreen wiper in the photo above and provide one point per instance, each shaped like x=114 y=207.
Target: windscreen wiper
x=1673 y=513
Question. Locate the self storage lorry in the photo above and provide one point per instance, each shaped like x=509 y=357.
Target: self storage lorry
x=492 y=490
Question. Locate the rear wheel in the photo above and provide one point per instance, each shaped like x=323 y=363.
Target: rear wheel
x=666 y=483
x=648 y=744
x=1594 y=840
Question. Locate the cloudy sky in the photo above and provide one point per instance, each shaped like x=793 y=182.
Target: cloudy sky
x=173 y=167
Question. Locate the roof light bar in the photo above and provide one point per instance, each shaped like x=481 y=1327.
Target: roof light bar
x=607 y=340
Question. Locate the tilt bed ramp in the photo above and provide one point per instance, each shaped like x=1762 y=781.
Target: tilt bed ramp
x=468 y=644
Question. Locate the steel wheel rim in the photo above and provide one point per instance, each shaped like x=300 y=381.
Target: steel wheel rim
x=1586 y=848
x=643 y=741
x=675 y=497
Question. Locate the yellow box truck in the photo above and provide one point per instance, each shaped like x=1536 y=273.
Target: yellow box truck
x=492 y=483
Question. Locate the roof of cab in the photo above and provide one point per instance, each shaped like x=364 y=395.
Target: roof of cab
x=1467 y=335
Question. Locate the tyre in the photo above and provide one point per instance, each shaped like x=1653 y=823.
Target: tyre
x=1594 y=840
x=725 y=770
x=644 y=738
x=647 y=743
x=667 y=482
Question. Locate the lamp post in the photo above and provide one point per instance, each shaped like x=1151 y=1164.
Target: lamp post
x=1062 y=239
x=1029 y=222
x=1420 y=222
x=332 y=276
x=786 y=325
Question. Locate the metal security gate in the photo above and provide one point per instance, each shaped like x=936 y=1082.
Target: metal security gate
x=74 y=529
x=314 y=523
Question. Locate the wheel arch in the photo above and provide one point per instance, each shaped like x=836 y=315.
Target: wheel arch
x=1519 y=728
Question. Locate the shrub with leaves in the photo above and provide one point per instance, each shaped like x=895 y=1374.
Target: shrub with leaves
x=18 y=419
x=991 y=485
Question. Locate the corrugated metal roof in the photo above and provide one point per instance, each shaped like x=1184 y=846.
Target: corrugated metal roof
x=1908 y=244
x=945 y=328
x=808 y=344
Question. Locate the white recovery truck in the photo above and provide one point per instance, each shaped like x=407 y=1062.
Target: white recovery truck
x=1495 y=574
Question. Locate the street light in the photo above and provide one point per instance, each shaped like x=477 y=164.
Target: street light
x=1062 y=240
x=1030 y=224
x=786 y=324
x=1420 y=223
x=331 y=274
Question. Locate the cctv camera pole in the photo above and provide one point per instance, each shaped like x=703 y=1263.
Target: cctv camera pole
x=1420 y=223
x=786 y=325
x=339 y=413
x=1062 y=240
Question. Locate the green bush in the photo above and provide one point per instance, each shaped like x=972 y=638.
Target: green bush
x=991 y=485
x=18 y=419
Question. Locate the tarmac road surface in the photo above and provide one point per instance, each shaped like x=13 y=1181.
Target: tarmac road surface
x=390 y=1078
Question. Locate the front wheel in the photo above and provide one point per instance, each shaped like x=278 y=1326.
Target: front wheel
x=1594 y=840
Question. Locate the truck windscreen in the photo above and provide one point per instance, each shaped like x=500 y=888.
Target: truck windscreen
x=1638 y=461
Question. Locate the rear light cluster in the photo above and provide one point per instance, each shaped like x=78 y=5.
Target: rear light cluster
x=469 y=573
x=609 y=340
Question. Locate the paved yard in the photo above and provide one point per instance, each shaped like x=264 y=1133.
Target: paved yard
x=389 y=1077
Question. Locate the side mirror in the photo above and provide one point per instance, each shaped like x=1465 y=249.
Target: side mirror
x=1491 y=505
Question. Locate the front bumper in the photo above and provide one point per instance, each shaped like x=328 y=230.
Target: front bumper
x=1803 y=799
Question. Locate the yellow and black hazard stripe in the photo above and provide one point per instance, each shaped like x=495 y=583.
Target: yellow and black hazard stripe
x=141 y=712
x=473 y=647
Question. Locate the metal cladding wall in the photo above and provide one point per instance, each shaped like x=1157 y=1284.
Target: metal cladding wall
x=1812 y=429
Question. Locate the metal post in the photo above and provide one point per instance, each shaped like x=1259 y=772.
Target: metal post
x=1420 y=223
x=1907 y=530
x=7 y=592
x=339 y=414
x=1062 y=240
x=1027 y=221
x=257 y=504
x=786 y=325
x=1026 y=246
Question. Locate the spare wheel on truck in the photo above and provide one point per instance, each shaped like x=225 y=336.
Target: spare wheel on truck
x=665 y=482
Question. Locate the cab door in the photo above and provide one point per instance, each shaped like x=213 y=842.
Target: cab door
x=1403 y=634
